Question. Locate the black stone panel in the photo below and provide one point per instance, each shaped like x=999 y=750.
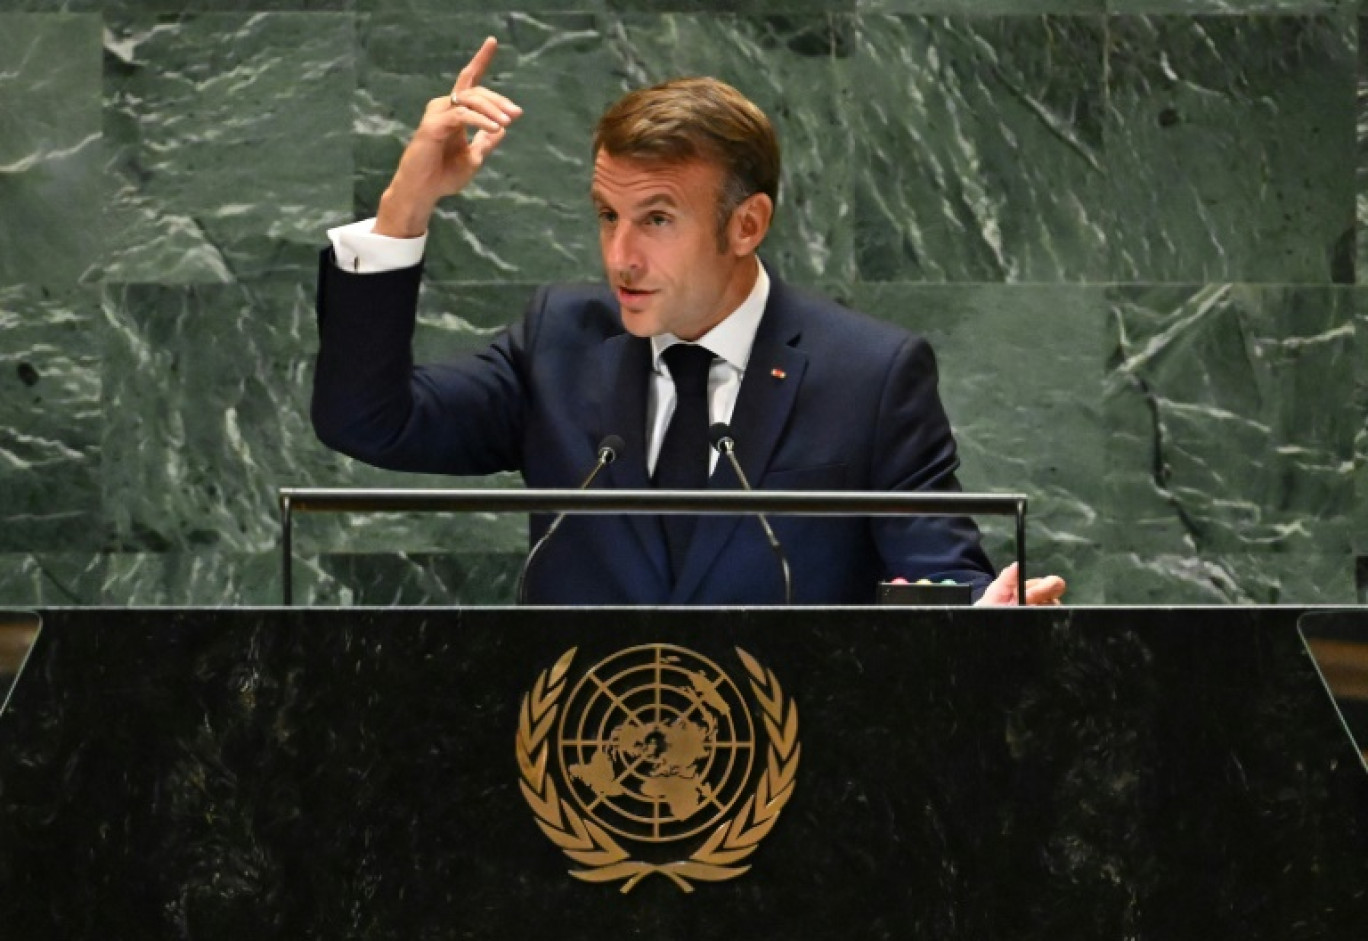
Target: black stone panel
x=1085 y=773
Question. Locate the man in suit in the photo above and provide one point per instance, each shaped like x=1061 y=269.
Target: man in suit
x=689 y=329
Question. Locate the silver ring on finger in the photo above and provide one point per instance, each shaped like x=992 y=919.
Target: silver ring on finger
x=456 y=100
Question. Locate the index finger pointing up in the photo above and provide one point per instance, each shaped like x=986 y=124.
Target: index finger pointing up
x=474 y=71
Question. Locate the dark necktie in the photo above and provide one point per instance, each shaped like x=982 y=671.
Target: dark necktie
x=683 y=460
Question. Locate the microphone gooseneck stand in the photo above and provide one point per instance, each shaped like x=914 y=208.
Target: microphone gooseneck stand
x=608 y=451
x=721 y=437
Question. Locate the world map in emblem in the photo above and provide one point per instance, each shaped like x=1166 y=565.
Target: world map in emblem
x=656 y=743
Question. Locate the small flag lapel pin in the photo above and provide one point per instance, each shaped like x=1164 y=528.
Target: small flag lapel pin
x=778 y=373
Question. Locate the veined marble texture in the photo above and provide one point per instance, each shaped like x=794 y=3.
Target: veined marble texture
x=1128 y=228
x=207 y=414
x=168 y=8
x=1359 y=415
x=1224 y=436
x=1185 y=577
x=1098 y=149
x=965 y=131
x=1229 y=147
x=51 y=420
x=985 y=7
x=1361 y=181
x=49 y=148
x=226 y=144
x=57 y=578
x=1231 y=6
x=204 y=398
x=396 y=577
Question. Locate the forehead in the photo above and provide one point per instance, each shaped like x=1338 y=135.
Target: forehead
x=631 y=181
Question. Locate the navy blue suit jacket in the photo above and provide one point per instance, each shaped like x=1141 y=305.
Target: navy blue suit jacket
x=831 y=399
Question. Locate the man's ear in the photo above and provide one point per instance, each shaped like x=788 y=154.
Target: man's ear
x=749 y=224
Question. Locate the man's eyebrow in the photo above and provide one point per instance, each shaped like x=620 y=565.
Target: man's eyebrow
x=659 y=199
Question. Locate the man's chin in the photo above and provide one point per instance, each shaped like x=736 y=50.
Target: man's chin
x=640 y=323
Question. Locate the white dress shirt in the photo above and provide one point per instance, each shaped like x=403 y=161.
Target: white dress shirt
x=730 y=341
x=358 y=249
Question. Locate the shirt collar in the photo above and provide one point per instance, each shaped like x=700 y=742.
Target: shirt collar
x=731 y=339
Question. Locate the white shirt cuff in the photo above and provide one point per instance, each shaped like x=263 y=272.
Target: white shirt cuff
x=359 y=250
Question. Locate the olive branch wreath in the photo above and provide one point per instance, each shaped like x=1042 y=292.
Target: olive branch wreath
x=591 y=846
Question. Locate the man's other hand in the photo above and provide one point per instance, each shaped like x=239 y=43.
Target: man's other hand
x=440 y=159
x=1003 y=590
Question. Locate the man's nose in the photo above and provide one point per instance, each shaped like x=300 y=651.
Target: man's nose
x=620 y=251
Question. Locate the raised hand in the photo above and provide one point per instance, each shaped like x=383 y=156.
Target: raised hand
x=442 y=157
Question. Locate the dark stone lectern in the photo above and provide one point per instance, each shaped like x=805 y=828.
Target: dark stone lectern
x=355 y=774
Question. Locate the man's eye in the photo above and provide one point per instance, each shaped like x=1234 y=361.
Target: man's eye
x=657 y=218
x=606 y=217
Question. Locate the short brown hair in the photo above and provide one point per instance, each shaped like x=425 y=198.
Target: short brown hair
x=692 y=118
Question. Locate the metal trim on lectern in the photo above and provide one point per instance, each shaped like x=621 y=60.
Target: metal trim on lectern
x=700 y=502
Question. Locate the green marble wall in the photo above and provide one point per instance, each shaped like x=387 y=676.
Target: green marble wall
x=1129 y=227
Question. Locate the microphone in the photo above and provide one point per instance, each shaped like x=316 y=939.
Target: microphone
x=719 y=433
x=608 y=451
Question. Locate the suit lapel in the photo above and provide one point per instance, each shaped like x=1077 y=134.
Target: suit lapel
x=769 y=390
x=768 y=393
x=625 y=370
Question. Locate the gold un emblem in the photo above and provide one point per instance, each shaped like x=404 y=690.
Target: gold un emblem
x=653 y=753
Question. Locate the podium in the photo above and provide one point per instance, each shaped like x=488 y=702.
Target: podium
x=944 y=773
